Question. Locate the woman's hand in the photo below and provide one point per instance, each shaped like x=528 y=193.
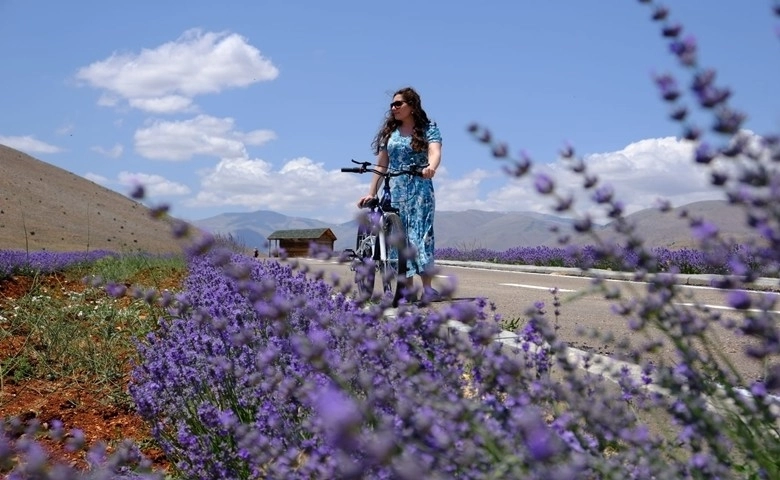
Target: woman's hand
x=364 y=200
x=428 y=172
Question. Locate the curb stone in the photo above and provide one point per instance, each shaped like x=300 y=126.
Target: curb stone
x=701 y=280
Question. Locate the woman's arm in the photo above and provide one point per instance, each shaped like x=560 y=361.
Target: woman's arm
x=434 y=159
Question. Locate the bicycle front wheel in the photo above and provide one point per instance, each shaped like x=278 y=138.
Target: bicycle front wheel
x=394 y=269
x=389 y=274
x=364 y=265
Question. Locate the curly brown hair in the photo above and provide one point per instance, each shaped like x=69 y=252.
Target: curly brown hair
x=421 y=122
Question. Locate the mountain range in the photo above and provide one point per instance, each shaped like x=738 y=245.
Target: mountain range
x=44 y=207
x=499 y=231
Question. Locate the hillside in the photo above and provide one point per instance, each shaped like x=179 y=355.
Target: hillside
x=43 y=207
x=671 y=229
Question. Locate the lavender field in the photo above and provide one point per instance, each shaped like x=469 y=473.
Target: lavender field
x=13 y=262
x=734 y=259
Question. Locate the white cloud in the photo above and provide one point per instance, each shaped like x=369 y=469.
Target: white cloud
x=640 y=174
x=168 y=103
x=28 y=144
x=113 y=152
x=166 y=78
x=99 y=179
x=256 y=137
x=155 y=185
x=299 y=187
x=202 y=135
x=458 y=194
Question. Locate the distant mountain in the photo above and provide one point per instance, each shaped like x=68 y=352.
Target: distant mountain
x=499 y=230
x=495 y=230
x=672 y=229
x=253 y=228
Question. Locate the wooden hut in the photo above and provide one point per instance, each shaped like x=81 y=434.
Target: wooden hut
x=296 y=242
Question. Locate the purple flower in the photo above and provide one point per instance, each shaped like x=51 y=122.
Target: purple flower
x=603 y=194
x=660 y=13
x=668 y=87
x=679 y=113
x=340 y=416
x=758 y=389
x=590 y=181
x=544 y=184
x=704 y=153
x=773 y=378
x=138 y=192
x=728 y=121
x=703 y=230
x=671 y=31
x=685 y=50
x=738 y=299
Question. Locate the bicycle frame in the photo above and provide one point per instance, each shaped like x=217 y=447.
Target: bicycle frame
x=373 y=248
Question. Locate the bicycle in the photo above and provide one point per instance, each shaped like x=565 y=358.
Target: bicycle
x=381 y=231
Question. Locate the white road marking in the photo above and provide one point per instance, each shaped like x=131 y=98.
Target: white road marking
x=535 y=287
x=722 y=307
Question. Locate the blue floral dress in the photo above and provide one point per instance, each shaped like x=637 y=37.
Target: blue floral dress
x=414 y=197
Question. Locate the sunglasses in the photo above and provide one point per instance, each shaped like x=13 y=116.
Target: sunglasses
x=397 y=104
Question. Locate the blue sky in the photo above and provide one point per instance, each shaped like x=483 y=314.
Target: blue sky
x=237 y=106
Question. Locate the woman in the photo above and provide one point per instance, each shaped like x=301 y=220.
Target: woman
x=407 y=138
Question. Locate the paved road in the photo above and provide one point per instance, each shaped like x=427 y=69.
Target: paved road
x=514 y=289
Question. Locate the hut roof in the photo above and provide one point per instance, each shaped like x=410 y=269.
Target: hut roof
x=302 y=234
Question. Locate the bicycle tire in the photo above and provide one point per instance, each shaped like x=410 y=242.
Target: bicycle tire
x=364 y=265
x=389 y=268
x=395 y=229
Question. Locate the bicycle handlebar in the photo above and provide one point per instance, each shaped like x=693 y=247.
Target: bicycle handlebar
x=415 y=170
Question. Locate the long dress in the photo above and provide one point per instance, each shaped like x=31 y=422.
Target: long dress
x=414 y=197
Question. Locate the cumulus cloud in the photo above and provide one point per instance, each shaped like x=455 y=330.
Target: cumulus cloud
x=461 y=193
x=155 y=185
x=201 y=135
x=640 y=174
x=165 y=79
x=166 y=104
x=113 y=152
x=301 y=186
x=28 y=144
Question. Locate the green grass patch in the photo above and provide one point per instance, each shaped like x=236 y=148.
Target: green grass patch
x=63 y=328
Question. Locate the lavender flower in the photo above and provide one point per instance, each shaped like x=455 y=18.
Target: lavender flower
x=544 y=184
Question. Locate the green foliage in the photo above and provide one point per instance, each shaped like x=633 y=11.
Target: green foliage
x=83 y=334
x=123 y=268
